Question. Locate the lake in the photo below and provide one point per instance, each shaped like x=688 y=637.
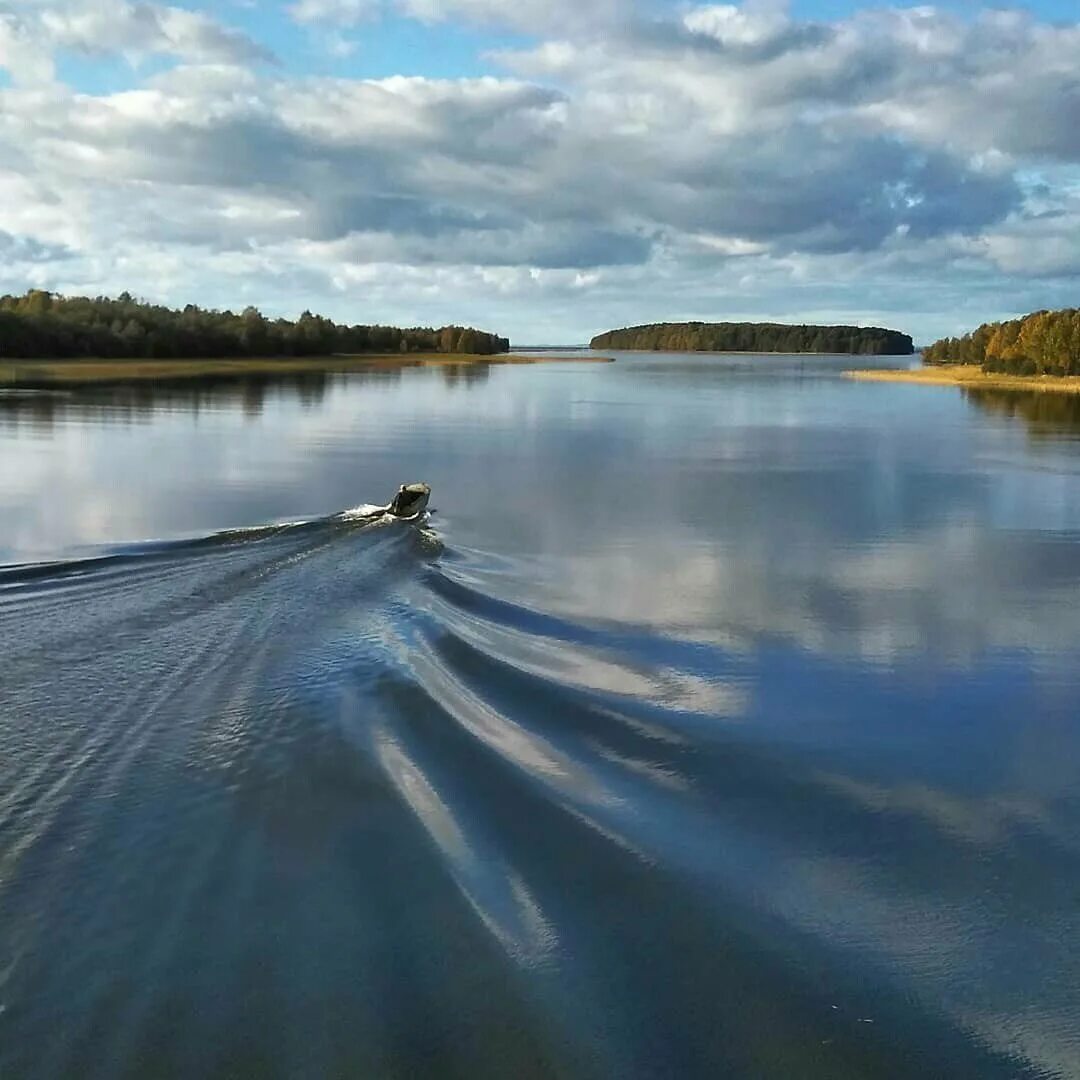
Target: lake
x=723 y=720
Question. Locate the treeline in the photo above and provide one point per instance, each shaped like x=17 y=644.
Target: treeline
x=1043 y=343
x=43 y=325
x=757 y=337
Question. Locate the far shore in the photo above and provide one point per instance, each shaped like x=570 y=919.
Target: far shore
x=74 y=372
x=973 y=377
x=751 y=352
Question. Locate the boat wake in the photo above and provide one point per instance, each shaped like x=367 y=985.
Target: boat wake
x=318 y=798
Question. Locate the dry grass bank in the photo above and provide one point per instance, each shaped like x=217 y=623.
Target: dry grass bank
x=973 y=377
x=81 y=372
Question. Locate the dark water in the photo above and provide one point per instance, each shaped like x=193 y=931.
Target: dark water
x=723 y=721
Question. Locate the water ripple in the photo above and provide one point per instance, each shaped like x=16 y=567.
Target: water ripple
x=312 y=800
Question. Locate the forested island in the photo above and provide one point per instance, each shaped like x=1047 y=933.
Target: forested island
x=757 y=337
x=1043 y=343
x=41 y=325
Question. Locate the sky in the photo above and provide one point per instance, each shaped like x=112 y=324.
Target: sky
x=547 y=169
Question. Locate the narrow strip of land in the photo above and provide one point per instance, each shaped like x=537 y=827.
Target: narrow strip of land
x=16 y=373
x=973 y=377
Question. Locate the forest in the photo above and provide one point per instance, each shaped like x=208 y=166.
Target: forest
x=757 y=337
x=42 y=325
x=1043 y=343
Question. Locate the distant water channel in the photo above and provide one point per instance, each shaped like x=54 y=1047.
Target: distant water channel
x=723 y=721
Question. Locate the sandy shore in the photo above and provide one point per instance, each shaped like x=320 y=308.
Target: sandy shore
x=973 y=377
x=76 y=372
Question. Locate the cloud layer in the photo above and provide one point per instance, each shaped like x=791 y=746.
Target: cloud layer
x=902 y=165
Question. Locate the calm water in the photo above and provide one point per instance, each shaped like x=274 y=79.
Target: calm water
x=724 y=720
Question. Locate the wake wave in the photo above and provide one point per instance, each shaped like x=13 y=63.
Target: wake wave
x=146 y=552
x=317 y=798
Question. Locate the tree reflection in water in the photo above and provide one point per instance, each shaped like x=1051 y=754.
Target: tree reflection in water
x=1044 y=412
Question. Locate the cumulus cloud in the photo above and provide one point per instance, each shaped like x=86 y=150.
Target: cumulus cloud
x=538 y=16
x=20 y=249
x=734 y=159
x=334 y=12
x=21 y=54
x=557 y=16
x=31 y=31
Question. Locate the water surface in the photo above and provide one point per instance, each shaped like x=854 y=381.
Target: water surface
x=722 y=721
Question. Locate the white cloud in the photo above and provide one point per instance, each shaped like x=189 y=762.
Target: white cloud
x=733 y=25
x=31 y=31
x=20 y=54
x=557 y=16
x=733 y=159
x=335 y=12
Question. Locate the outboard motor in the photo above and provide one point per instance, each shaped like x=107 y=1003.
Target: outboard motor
x=410 y=501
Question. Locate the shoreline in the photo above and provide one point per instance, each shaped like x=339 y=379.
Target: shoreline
x=17 y=373
x=971 y=377
x=752 y=352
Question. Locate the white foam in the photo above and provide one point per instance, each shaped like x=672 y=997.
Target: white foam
x=364 y=510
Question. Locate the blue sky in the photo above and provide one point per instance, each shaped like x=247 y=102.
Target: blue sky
x=390 y=44
x=549 y=168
